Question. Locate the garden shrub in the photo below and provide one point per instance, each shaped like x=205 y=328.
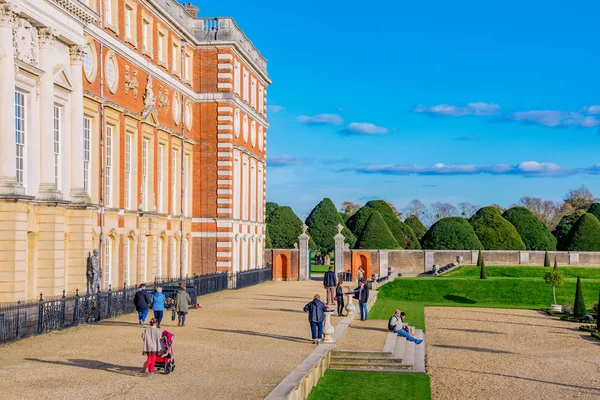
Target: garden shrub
x=547 y=260
x=495 y=232
x=269 y=208
x=403 y=234
x=482 y=273
x=284 y=228
x=451 y=233
x=595 y=209
x=561 y=232
x=534 y=233
x=579 y=309
x=268 y=242
x=376 y=234
x=356 y=223
x=416 y=225
x=585 y=234
x=322 y=225
x=479 y=258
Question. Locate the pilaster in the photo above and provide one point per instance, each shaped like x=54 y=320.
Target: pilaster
x=13 y=251
x=51 y=248
x=77 y=194
x=79 y=222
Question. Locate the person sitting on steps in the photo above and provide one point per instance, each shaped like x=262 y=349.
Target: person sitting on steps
x=396 y=324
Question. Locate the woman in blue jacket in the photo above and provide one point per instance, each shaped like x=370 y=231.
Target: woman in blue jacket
x=316 y=315
x=158 y=304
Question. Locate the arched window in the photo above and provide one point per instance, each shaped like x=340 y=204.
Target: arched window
x=173 y=258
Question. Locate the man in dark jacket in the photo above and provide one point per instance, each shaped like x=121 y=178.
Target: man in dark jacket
x=329 y=283
x=316 y=315
x=142 y=301
x=362 y=294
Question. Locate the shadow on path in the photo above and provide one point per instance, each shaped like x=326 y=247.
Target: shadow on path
x=260 y=334
x=567 y=385
x=468 y=348
x=368 y=328
x=506 y=322
x=472 y=331
x=95 y=365
x=278 y=309
x=283 y=296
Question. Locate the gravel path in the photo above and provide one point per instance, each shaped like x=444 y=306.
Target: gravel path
x=363 y=335
x=509 y=354
x=238 y=346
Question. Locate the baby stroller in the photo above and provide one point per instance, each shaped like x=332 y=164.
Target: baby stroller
x=164 y=359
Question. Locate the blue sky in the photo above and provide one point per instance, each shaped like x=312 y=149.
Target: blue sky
x=474 y=101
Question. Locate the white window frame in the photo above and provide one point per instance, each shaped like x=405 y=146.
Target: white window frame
x=87 y=155
x=127 y=261
x=108 y=11
x=173 y=257
x=253 y=93
x=128 y=164
x=161 y=46
x=186 y=161
x=57 y=133
x=237 y=77
x=175 y=55
x=246 y=85
x=108 y=181
x=245 y=186
x=184 y=253
x=20 y=137
x=236 y=185
x=146 y=35
x=261 y=100
x=174 y=182
x=145 y=172
x=108 y=243
x=253 y=194
x=160 y=166
x=128 y=18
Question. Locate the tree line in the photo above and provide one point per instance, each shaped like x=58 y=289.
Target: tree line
x=530 y=224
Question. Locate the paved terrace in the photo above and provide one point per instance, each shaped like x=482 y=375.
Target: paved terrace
x=239 y=345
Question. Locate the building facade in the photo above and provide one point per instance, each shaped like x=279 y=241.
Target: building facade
x=133 y=127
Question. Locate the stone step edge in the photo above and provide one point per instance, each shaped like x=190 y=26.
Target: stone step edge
x=361 y=352
x=399 y=370
x=369 y=365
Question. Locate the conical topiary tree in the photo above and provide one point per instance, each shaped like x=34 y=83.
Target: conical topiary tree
x=356 y=223
x=534 y=233
x=451 y=233
x=547 y=260
x=403 y=234
x=284 y=228
x=495 y=232
x=482 y=273
x=416 y=225
x=376 y=235
x=479 y=258
x=579 y=309
x=322 y=226
x=585 y=234
x=561 y=232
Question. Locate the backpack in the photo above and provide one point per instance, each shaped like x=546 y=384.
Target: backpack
x=391 y=327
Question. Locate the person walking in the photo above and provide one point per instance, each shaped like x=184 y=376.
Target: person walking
x=329 y=282
x=141 y=300
x=339 y=296
x=316 y=315
x=361 y=293
x=151 y=338
x=182 y=304
x=158 y=304
x=360 y=273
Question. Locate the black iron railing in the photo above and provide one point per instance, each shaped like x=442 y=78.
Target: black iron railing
x=252 y=277
x=23 y=319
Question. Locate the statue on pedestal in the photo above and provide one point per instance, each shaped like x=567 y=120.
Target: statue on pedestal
x=94 y=273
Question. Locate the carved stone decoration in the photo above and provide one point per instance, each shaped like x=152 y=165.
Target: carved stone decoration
x=78 y=53
x=163 y=98
x=25 y=41
x=131 y=83
x=149 y=99
x=339 y=228
x=47 y=37
x=8 y=15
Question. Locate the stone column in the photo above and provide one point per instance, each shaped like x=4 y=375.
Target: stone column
x=48 y=190
x=428 y=261
x=303 y=257
x=339 y=250
x=8 y=149
x=78 y=194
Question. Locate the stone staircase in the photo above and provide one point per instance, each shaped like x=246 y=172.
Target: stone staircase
x=397 y=355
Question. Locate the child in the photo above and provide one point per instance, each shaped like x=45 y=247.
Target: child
x=151 y=338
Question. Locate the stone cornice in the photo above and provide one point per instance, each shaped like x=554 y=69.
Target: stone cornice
x=78 y=9
x=249 y=154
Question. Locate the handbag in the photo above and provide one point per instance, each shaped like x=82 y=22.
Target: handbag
x=173 y=314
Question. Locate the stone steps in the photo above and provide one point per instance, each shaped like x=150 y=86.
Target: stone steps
x=398 y=355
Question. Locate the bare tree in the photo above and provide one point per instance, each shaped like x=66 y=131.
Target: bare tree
x=417 y=208
x=467 y=210
x=437 y=211
x=547 y=211
x=580 y=198
x=498 y=207
x=349 y=208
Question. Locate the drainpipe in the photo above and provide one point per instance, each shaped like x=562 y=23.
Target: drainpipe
x=101 y=174
x=181 y=200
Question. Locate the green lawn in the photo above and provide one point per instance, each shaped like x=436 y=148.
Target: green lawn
x=319 y=269
x=471 y=271
x=385 y=307
x=357 y=385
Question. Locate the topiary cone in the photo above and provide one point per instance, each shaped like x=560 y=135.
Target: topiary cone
x=547 y=259
x=579 y=309
x=555 y=265
x=479 y=259
x=482 y=274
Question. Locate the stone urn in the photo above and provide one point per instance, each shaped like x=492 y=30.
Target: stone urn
x=349 y=305
x=556 y=308
x=328 y=328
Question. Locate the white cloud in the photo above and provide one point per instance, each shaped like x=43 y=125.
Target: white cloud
x=274 y=109
x=283 y=160
x=364 y=128
x=555 y=118
x=477 y=109
x=321 y=119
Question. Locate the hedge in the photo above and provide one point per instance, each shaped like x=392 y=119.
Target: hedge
x=403 y=233
x=451 y=233
x=322 y=226
x=284 y=228
x=561 y=232
x=376 y=234
x=534 y=233
x=585 y=234
x=495 y=232
x=416 y=225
